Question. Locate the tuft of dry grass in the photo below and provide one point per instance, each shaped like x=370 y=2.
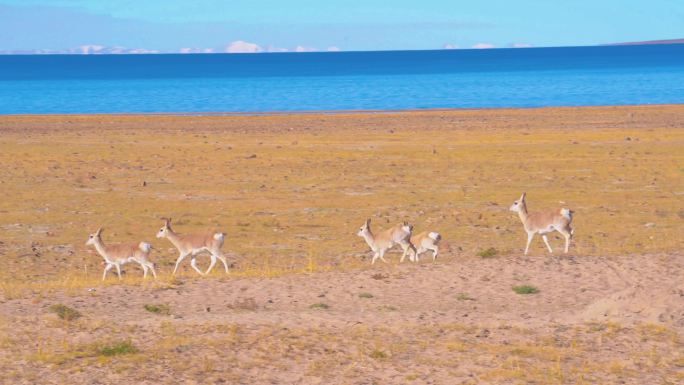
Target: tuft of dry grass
x=248 y=304
x=117 y=349
x=161 y=309
x=464 y=297
x=65 y=312
x=488 y=253
x=525 y=289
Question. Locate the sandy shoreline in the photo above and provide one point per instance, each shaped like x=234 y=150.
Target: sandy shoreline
x=339 y=112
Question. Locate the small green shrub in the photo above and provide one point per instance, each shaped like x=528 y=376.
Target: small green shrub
x=378 y=354
x=525 y=289
x=125 y=347
x=464 y=297
x=158 y=309
x=488 y=253
x=65 y=312
x=320 y=306
x=365 y=295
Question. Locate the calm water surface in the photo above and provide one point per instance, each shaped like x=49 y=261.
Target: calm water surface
x=574 y=76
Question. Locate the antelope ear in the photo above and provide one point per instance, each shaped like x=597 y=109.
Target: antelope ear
x=522 y=197
x=167 y=221
x=99 y=231
x=368 y=222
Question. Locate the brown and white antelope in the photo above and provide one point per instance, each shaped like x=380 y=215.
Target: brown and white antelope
x=194 y=244
x=426 y=241
x=385 y=240
x=119 y=255
x=544 y=222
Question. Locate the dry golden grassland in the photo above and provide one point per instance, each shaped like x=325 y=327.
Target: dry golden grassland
x=291 y=191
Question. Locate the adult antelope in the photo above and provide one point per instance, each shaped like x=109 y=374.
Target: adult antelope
x=385 y=240
x=119 y=255
x=426 y=241
x=194 y=244
x=544 y=222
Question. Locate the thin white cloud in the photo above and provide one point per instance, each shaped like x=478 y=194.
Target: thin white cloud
x=449 y=46
x=521 y=45
x=88 y=49
x=300 y=48
x=240 y=46
x=333 y=49
x=140 y=51
x=483 y=46
x=196 y=50
x=272 y=48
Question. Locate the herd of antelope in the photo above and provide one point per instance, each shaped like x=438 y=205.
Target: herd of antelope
x=115 y=256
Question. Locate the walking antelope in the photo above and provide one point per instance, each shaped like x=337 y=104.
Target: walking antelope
x=426 y=241
x=194 y=244
x=544 y=222
x=385 y=240
x=119 y=255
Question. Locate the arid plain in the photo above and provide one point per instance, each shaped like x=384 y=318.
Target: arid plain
x=302 y=303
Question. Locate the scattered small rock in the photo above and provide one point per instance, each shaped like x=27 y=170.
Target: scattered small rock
x=484 y=333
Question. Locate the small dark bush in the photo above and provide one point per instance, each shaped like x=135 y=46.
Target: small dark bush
x=525 y=289
x=464 y=297
x=65 y=312
x=125 y=347
x=158 y=309
x=488 y=253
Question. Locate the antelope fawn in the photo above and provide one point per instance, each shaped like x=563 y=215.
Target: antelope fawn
x=544 y=222
x=385 y=240
x=194 y=244
x=119 y=255
x=426 y=241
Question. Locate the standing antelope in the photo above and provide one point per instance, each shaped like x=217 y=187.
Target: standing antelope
x=426 y=241
x=385 y=240
x=119 y=255
x=194 y=244
x=544 y=222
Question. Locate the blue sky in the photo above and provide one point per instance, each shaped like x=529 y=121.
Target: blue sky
x=169 y=25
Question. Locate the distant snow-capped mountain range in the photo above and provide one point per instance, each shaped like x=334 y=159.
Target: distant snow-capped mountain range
x=240 y=46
